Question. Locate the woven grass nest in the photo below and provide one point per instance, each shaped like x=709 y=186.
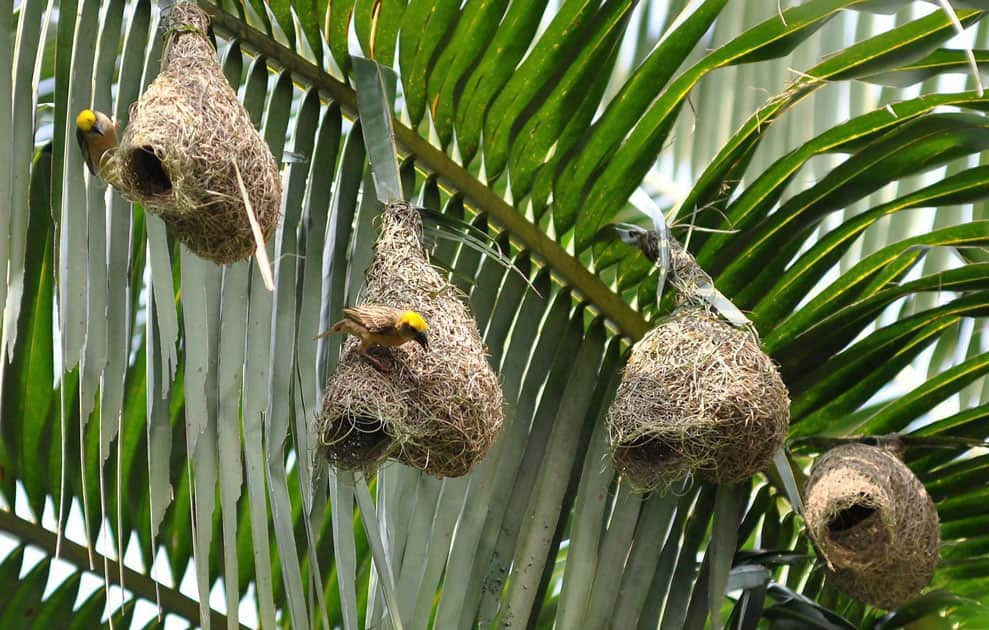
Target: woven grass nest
x=697 y=396
x=187 y=136
x=874 y=524
x=438 y=410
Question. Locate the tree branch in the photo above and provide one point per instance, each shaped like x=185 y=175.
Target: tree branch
x=141 y=585
x=569 y=269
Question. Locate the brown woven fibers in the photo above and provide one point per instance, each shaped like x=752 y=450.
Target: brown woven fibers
x=438 y=410
x=178 y=153
x=874 y=523
x=697 y=395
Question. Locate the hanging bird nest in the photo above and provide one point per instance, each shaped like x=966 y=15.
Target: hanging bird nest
x=187 y=139
x=697 y=395
x=438 y=410
x=874 y=524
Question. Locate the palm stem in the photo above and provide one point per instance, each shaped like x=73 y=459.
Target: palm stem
x=141 y=585
x=569 y=269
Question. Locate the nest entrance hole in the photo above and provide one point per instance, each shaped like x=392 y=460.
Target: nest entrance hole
x=857 y=528
x=357 y=439
x=850 y=517
x=649 y=462
x=650 y=449
x=150 y=172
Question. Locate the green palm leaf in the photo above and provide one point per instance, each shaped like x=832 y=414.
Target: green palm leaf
x=169 y=401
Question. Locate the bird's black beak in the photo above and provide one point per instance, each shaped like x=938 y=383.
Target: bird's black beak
x=96 y=130
x=422 y=340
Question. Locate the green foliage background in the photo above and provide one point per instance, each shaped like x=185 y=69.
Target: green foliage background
x=830 y=151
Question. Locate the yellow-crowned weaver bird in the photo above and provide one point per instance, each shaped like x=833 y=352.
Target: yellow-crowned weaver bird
x=377 y=325
x=96 y=134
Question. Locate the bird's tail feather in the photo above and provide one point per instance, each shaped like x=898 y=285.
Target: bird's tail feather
x=335 y=328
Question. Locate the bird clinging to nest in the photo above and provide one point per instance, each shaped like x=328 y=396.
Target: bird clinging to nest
x=96 y=135
x=377 y=325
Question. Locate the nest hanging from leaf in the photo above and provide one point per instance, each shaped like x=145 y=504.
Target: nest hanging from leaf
x=438 y=410
x=697 y=395
x=187 y=137
x=874 y=523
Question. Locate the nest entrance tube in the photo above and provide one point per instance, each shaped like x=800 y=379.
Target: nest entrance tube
x=874 y=524
x=437 y=409
x=187 y=137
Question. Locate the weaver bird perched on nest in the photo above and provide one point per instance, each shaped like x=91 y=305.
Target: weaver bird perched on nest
x=96 y=134
x=377 y=325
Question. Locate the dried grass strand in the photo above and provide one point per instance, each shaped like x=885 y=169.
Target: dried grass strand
x=264 y=265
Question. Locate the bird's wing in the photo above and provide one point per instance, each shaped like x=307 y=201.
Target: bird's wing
x=108 y=126
x=374 y=317
x=84 y=147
